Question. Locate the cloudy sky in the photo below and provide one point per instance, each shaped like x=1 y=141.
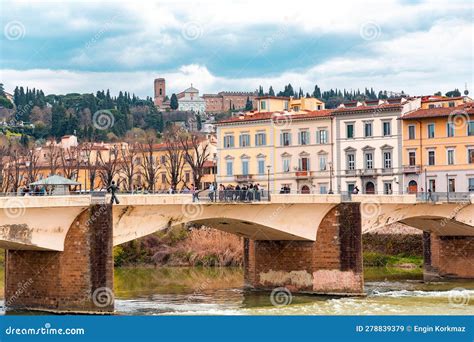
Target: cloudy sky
x=82 y=46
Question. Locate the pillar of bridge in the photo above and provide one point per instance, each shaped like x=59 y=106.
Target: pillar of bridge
x=448 y=257
x=330 y=265
x=78 y=279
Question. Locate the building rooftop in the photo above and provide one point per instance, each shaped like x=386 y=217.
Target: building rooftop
x=467 y=108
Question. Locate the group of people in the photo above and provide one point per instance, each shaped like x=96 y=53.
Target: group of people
x=37 y=191
x=244 y=193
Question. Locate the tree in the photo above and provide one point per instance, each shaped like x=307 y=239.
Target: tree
x=91 y=162
x=52 y=157
x=70 y=163
x=128 y=165
x=196 y=153
x=174 y=102
x=108 y=166
x=31 y=164
x=149 y=165
x=198 y=122
x=174 y=159
x=453 y=93
x=271 y=92
x=248 y=104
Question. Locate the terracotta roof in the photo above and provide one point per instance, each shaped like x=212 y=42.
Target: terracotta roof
x=367 y=108
x=441 y=98
x=467 y=108
x=272 y=97
x=258 y=116
x=253 y=117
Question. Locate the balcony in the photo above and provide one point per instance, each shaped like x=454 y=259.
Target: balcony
x=387 y=171
x=411 y=168
x=243 y=178
x=367 y=172
x=350 y=172
x=302 y=174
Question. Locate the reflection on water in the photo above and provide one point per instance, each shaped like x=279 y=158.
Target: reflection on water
x=206 y=291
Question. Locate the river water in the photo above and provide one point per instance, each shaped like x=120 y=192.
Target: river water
x=219 y=291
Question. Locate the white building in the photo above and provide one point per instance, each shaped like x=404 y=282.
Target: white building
x=368 y=139
x=189 y=100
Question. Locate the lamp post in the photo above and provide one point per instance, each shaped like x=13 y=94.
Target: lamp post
x=447 y=187
x=268 y=181
x=330 y=179
x=214 y=170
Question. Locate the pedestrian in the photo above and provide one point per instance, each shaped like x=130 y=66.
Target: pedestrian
x=355 y=191
x=211 y=192
x=195 y=193
x=112 y=188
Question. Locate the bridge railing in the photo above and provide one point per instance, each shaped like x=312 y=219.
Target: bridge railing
x=449 y=197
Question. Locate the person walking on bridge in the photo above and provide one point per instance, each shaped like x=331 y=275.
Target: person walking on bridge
x=112 y=188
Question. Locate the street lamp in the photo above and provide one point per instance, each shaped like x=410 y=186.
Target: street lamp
x=268 y=180
x=330 y=179
x=214 y=170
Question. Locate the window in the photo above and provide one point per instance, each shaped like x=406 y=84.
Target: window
x=450 y=157
x=471 y=184
x=351 y=161
x=187 y=176
x=303 y=138
x=350 y=131
x=387 y=128
x=322 y=163
x=304 y=164
x=245 y=167
x=228 y=141
x=470 y=128
x=369 y=160
x=412 y=158
x=244 y=140
x=431 y=130
x=230 y=168
x=163 y=178
x=432 y=185
x=451 y=104
x=285 y=105
x=285 y=139
x=286 y=164
x=470 y=155
x=263 y=105
x=387 y=160
x=451 y=185
x=368 y=129
x=260 y=139
x=163 y=159
x=387 y=188
x=322 y=136
x=323 y=188
x=431 y=157
x=261 y=166
x=450 y=129
x=411 y=132
x=431 y=106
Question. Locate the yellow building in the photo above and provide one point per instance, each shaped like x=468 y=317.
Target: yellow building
x=438 y=149
x=245 y=148
x=428 y=102
x=279 y=104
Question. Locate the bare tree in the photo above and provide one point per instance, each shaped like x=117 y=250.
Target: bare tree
x=4 y=158
x=196 y=153
x=14 y=170
x=31 y=165
x=70 y=162
x=53 y=157
x=175 y=160
x=149 y=165
x=128 y=167
x=108 y=166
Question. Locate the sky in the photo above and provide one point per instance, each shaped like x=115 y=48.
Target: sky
x=419 y=47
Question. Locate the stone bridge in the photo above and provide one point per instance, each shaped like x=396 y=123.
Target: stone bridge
x=59 y=248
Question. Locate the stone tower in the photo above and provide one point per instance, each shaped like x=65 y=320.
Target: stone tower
x=160 y=91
